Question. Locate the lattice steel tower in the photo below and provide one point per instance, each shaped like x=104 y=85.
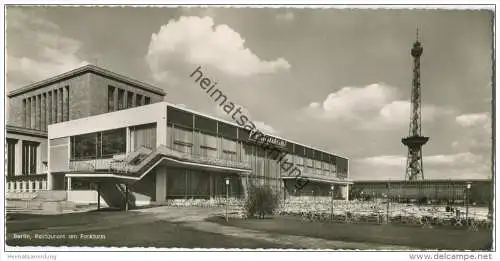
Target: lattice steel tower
x=415 y=141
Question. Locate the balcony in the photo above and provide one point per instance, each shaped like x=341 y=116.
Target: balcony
x=123 y=164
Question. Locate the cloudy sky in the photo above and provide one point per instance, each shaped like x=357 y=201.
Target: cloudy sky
x=336 y=79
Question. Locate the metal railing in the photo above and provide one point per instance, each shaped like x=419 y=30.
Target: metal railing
x=122 y=165
x=323 y=174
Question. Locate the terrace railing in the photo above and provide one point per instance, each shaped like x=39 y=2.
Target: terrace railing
x=135 y=162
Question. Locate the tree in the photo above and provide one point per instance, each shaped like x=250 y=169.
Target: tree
x=261 y=200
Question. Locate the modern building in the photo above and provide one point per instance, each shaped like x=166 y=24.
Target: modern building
x=91 y=129
x=477 y=191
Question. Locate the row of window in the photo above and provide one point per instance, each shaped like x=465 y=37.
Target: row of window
x=43 y=109
x=13 y=186
x=105 y=144
x=261 y=161
x=197 y=123
x=119 y=99
x=29 y=155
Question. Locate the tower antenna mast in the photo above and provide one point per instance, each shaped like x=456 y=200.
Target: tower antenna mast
x=414 y=141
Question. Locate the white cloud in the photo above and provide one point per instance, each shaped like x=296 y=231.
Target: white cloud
x=439 y=166
x=193 y=41
x=47 y=51
x=385 y=160
x=476 y=129
x=439 y=159
x=261 y=126
x=265 y=128
x=376 y=106
x=196 y=11
x=474 y=119
x=287 y=16
x=353 y=102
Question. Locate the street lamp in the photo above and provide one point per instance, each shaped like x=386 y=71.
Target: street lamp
x=331 y=208
x=227 y=196
x=467 y=202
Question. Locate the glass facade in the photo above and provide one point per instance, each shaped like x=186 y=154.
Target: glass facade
x=98 y=145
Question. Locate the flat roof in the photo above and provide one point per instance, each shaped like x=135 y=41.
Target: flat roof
x=87 y=69
x=236 y=125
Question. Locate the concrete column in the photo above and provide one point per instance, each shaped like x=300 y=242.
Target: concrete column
x=65 y=112
x=134 y=96
x=53 y=105
x=18 y=164
x=60 y=105
x=49 y=184
x=211 y=178
x=49 y=108
x=115 y=99
x=126 y=198
x=69 y=184
x=36 y=112
x=345 y=192
x=98 y=196
x=24 y=112
x=33 y=112
x=128 y=143
x=161 y=183
x=44 y=112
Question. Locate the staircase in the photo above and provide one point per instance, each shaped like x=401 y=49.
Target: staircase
x=42 y=202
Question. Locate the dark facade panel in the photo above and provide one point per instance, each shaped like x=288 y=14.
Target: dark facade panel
x=228 y=131
x=309 y=153
x=179 y=117
x=243 y=134
x=289 y=148
x=205 y=125
x=299 y=150
x=318 y=155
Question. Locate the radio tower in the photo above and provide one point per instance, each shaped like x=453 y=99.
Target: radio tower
x=414 y=141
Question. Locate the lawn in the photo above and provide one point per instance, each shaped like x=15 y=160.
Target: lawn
x=146 y=232
x=417 y=237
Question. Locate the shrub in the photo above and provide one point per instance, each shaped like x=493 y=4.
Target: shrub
x=261 y=201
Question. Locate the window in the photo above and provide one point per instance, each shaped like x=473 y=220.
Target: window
x=121 y=99
x=143 y=136
x=114 y=142
x=29 y=157
x=25 y=117
x=11 y=156
x=98 y=145
x=147 y=100
x=111 y=98
x=84 y=146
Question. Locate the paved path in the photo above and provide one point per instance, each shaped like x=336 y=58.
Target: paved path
x=195 y=218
